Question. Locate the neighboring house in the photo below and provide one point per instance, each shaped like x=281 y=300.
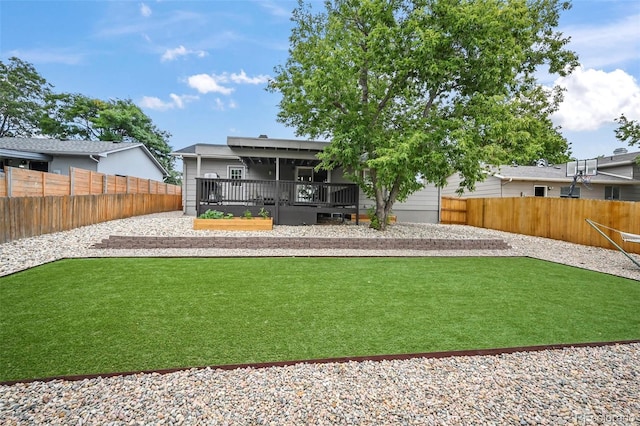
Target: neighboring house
x=617 y=178
x=208 y=170
x=56 y=156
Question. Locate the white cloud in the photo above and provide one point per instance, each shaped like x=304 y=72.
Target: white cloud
x=606 y=45
x=593 y=98
x=242 y=78
x=145 y=10
x=172 y=54
x=205 y=83
x=220 y=105
x=151 y=102
x=177 y=101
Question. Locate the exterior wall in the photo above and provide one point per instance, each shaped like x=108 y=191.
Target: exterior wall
x=132 y=162
x=625 y=171
x=207 y=165
x=422 y=206
x=490 y=187
x=61 y=164
x=630 y=193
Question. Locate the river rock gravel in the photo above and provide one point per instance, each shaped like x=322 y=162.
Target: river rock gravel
x=580 y=386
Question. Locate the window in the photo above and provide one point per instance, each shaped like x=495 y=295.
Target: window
x=564 y=192
x=611 y=192
x=236 y=173
x=539 y=191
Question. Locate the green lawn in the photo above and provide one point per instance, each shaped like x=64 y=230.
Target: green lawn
x=88 y=316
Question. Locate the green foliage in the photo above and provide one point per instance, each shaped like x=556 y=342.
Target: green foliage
x=263 y=213
x=414 y=91
x=215 y=214
x=22 y=96
x=28 y=106
x=75 y=116
x=373 y=219
x=83 y=316
x=628 y=130
x=247 y=214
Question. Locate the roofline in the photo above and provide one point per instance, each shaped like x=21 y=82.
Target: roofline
x=269 y=143
x=24 y=155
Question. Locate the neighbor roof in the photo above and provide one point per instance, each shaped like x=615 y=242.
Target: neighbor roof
x=72 y=147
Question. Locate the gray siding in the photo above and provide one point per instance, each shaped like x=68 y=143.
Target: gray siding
x=489 y=188
x=131 y=162
x=61 y=164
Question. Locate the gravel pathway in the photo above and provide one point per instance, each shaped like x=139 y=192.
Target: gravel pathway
x=570 y=386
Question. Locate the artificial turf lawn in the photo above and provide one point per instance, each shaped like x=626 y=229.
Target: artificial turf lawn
x=85 y=316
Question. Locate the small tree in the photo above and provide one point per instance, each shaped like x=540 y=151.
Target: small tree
x=413 y=91
x=22 y=95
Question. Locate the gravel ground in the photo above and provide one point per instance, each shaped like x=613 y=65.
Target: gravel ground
x=570 y=386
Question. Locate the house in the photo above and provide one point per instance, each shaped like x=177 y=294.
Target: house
x=615 y=177
x=56 y=156
x=279 y=175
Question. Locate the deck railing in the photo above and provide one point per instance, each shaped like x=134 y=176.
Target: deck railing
x=278 y=193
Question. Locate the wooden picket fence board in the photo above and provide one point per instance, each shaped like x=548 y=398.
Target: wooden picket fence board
x=555 y=218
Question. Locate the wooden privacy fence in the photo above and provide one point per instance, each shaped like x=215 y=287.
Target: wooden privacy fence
x=556 y=218
x=16 y=182
x=22 y=217
x=35 y=203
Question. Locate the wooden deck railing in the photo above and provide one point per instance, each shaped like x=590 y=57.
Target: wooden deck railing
x=223 y=194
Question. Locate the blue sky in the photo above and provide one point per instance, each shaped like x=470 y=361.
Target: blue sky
x=199 y=68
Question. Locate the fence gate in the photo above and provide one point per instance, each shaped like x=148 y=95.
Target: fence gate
x=453 y=211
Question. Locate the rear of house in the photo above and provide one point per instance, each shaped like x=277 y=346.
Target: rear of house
x=267 y=159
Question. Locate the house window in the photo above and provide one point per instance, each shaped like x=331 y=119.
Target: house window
x=564 y=192
x=539 y=191
x=236 y=173
x=611 y=192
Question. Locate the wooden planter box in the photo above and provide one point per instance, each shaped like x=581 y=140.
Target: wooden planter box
x=234 y=224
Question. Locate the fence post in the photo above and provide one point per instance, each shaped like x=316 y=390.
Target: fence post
x=8 y=181
x=72 y=184
x=105 y=184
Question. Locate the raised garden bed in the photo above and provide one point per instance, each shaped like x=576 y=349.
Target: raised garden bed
x=234 y=224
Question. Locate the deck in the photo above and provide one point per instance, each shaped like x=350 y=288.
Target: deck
x=288 y=202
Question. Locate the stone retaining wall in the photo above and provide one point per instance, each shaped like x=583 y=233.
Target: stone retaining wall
x=131 y=242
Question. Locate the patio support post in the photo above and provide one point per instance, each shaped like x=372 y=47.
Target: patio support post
x=276 y=212
x=277 y=168
x=198 y=165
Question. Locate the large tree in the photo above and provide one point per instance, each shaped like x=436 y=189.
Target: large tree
x=22 y=95
x=75 y=116
x=416 y=90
